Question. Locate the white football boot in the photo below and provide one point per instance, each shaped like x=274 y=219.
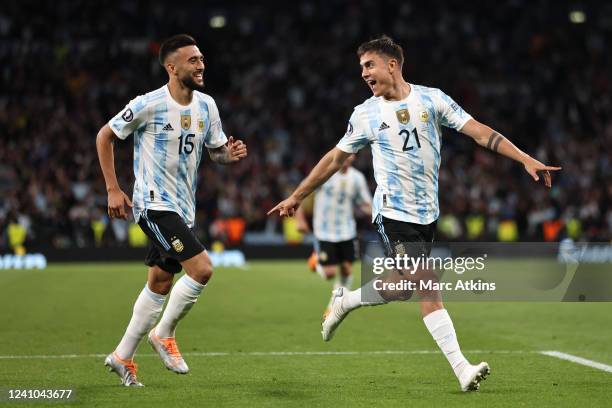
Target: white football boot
x=125 y=369
x=335 y=316
x=472 y=375
x=169 y=353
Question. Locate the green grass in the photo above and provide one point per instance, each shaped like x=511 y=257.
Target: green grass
x=276 y=306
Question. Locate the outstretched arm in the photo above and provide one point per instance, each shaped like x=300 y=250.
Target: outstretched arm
x=117 y=199
x=233 y=152
x=492 y=140
x=327 y=166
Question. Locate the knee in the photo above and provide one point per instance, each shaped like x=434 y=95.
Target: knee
x=329 y=274
x=203 y=271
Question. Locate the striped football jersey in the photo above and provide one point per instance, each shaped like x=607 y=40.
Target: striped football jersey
x=168 y=143
x=405 y=137
x=333 y=212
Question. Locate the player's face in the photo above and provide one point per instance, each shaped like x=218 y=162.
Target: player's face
x=376 y=72
x=190 y=67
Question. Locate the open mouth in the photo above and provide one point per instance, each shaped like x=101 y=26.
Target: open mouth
x=199 y=75
x=371 y=83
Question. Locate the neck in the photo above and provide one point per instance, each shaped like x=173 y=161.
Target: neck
x=343 y=170
x=179 y=92
x=400 y=90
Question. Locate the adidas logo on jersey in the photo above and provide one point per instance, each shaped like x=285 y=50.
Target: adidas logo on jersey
x=383 y=126
x=168 y=127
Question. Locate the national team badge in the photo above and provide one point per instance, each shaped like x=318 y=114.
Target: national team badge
x=322 y=256
x=186 y=122
x=201 y=125
x=178 y=245
x=424 y=116
x=403 y=116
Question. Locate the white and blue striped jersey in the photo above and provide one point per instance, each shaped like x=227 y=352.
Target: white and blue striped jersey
x=168 y=143
x=405 y=137
x=333 y=215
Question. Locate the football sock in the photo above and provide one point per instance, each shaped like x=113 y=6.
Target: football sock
x=182 y=297
x=344 y=281
x=147 y=308
x=442 y=330
x=363 y=296
x=321 y=271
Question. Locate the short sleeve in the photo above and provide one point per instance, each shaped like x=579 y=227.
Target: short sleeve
x=133 y=116
x=215 y=137
x=450 y=113
x=356 y=136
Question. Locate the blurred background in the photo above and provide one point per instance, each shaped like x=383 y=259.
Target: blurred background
x=286 y=79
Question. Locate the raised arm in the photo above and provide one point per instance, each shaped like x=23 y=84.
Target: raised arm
x=327 y=166
x=492 y=140
x=117 y=199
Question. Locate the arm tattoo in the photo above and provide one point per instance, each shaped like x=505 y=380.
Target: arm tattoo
x=220 y=155
x=494 y=141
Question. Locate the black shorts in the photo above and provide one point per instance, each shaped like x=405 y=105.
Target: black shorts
x=172 y=241
x=400 y=237
x=334 y=253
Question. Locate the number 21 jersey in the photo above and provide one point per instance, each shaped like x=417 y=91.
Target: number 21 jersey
x=405 y=138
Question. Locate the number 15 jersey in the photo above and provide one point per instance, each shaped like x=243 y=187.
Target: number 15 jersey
x=405 y=138
x=168 y=143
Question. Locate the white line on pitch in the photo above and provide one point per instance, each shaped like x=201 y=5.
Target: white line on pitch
x=578 y=360
x=267 y=353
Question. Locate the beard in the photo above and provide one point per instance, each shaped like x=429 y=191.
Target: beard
x=190 y=83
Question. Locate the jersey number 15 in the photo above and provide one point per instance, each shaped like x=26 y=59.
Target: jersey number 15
x=187 y=147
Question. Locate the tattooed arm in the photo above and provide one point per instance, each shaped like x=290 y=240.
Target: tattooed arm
x=492 y=140
x=234 y=151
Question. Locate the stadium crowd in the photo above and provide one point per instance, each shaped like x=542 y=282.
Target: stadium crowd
x=286 y=81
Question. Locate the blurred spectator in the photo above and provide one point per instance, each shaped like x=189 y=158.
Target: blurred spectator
x=286 y=82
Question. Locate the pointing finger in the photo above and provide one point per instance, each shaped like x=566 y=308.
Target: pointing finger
x=273 y=209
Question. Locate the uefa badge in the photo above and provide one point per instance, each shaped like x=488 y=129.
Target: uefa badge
x=403 y=116
x=186 y=122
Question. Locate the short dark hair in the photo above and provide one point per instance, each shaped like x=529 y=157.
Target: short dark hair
x=383 y=45
x=174 y=43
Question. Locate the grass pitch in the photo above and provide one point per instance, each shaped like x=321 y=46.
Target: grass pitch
x=253 y=340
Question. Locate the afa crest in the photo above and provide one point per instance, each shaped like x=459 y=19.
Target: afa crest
x=177 y=245
x=403 y=116
x=186 y=122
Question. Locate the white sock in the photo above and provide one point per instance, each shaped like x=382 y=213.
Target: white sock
x=351 y=300
x=184 y=294
x=442 y=330
x=344 y=281
x=147 y=308
x=321 y=271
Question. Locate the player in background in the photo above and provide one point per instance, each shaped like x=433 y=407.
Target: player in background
x=334 y=226
x=402 y=124
x=171 y=127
